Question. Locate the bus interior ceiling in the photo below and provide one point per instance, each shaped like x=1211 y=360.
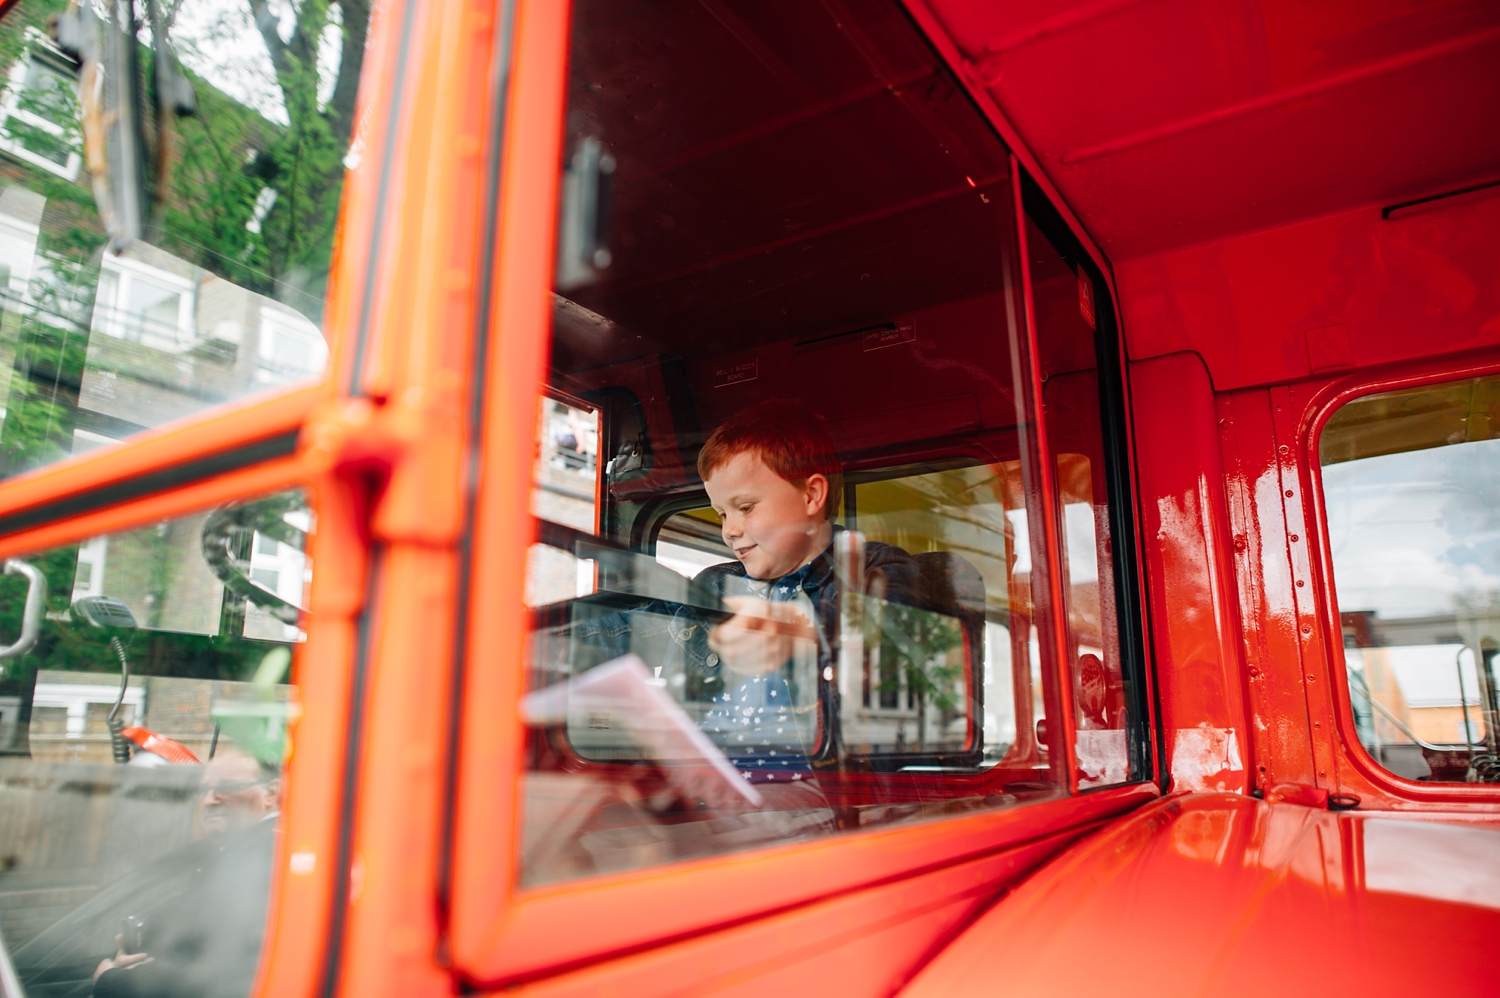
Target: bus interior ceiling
x=1238 y=163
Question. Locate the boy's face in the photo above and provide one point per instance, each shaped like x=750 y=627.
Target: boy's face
x=773 y=526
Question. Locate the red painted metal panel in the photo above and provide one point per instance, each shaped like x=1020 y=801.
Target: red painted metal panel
x=1227 y=892
x=1323 y=296
x=1167 y=123
x=1188 y=550
x=1283 y=744
x=864 y=944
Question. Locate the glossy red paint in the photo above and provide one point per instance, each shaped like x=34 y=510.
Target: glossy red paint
x=1222 y=889
x=1166 y=123
x=1325 y=296
x=1188 y=548
x=867 y=943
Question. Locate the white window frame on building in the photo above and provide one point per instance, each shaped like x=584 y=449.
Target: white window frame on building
x=110 y=317
x=76 y=697
x=40 y=56
x=277 y=325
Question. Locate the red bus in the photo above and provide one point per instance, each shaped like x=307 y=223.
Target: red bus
x=854 y=497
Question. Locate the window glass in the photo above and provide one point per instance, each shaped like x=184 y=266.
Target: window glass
x=144 y=701
x=1063 y=297
x=1410 y=483
x=787 y=249
x=180 y=263
x=975 y=513
x=691 y=541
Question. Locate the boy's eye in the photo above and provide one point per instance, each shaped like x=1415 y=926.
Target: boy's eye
x=747 y=508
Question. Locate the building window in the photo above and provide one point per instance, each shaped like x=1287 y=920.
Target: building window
x=291 y=347
x=144 y=304
x=39 y=116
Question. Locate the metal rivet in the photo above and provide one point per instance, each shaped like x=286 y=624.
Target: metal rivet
x=1294 y=538
x=1288 y=493
x=1300 y=583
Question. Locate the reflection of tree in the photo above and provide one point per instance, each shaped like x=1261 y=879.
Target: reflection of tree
x=914 y=647
x=302 y=164
x=251 y=200
x=309 y=155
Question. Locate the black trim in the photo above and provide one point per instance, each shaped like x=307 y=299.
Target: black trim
x=499 y=89
x=382 y=196
x=1390 y=210
x=359 y=685
x=1117 y=471
x=151 y=483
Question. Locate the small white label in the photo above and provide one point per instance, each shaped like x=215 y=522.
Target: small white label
x=302 y=863
x=734 y=374
x=886 y=336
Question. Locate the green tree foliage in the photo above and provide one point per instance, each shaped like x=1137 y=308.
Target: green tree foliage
x=228 y=155
x=914 y=649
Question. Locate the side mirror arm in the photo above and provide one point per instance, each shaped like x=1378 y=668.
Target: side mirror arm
x=31 y=616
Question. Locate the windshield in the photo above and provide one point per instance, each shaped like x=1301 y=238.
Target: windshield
x=164 y=247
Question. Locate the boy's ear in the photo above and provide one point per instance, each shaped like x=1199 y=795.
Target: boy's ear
x=815 y=493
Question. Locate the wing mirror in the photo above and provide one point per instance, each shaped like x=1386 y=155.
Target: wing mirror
x=110 y=618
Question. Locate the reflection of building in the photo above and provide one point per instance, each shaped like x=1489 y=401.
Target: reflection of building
x=160 y=573
x=1418 y=685
x=177 y=339
x=96 y=347
x=38 y=111
x=69 y=709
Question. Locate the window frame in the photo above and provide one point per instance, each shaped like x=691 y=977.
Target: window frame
x=1147 y=748
x=243 y=451
x=126 y=272
x=1356 y=770
x=303 y=435
x=501 y=933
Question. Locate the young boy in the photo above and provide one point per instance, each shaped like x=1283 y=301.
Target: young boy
x=775 y=481
x=774 y=478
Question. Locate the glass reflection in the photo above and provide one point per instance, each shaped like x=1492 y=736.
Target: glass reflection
x=144 y=708
x=1410 y=480
x=231 y=158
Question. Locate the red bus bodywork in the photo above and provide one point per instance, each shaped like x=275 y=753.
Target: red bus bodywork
x=1252 y=178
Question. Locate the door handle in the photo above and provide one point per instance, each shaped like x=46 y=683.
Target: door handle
x=31 y=615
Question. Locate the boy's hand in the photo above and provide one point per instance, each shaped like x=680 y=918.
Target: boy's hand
x=761 y=635
x=121 y=961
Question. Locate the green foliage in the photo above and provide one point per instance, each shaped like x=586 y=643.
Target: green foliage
x=224 y=159
x=914 y=653
x=229 y=154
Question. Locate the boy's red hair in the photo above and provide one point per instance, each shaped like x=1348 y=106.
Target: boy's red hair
x=789 y=438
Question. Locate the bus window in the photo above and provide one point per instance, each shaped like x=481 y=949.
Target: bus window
x=788 y=276
x=691 y=541
x=146 y=690
x=1064 y=300
x=972 y=520
x=181 y=263
x=1409 y=485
